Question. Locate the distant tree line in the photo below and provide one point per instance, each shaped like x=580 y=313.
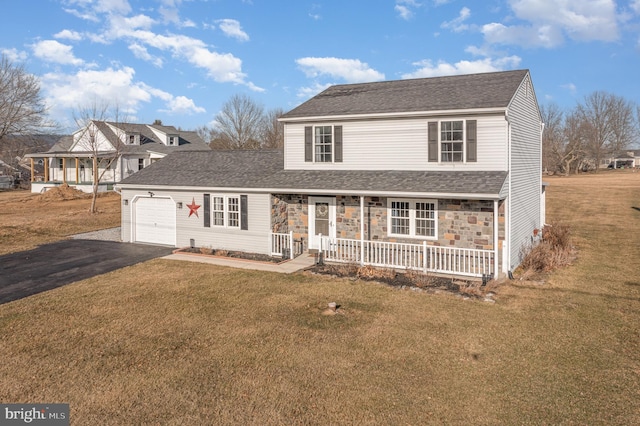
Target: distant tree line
x=243 y=123
x=579 y=139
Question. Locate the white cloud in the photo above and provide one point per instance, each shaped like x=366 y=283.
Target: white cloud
x=115 y=87
x=570 y=87
x=350 y=70
x=14 y=55
x=231 y=28
x=183 y=105
x=141 y=52
x=90 y=9
x=405 y=8
x=635 y=5
x=428 y=69
x=457 y=24
x=54 y=51
x=548 y=22
x=68 y=35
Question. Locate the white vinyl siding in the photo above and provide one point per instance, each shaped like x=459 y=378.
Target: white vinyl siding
x=398 y=144
x=255 y=239
x=526 y=169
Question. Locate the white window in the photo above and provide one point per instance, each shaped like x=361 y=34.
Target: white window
x=323 y=144
x=133 y=139
x=140 y=163
x=217 y=210
x=225 y=211
x=412 y=218
x=451 y=141
x=174 y=140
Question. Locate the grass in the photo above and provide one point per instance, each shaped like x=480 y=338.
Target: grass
x=169 y=343
x=28 y=220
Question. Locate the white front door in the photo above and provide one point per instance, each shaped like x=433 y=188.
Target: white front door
x=322 y=219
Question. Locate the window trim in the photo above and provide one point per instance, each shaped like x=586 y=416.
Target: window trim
x=463 y=141
x=336 y=145
x=412 y=218
x=226 y=211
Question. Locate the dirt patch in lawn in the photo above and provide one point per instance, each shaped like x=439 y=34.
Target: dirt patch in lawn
x=62 y=193
x=467 y=288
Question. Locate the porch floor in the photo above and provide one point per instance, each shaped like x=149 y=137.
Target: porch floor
x=301 y=262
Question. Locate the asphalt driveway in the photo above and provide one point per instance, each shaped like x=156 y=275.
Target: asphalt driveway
x=54 y=265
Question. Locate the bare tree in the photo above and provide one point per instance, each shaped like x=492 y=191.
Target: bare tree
x=273 y=130
x=552 y=136
x=239 y=124
x=22 y=108
x=571 y=153
x=102 y=153
x=610 y=123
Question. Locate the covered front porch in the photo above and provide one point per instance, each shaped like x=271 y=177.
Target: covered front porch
x=440 y=235
x=82 y=171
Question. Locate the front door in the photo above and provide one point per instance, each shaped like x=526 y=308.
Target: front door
x=322 y=219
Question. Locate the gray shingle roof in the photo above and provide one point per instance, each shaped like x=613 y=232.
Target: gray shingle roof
x=487 y=90
x=265 y=170
x=188 y=140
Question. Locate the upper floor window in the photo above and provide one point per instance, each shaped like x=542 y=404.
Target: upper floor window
x=133 y=139
x=451 y=141
x=140 y=163
x=173 y=140
x=412 y=218
x=323 y=144
x=60 y=163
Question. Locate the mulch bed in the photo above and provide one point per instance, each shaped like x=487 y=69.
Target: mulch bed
x=410 y=280
x=233 y=254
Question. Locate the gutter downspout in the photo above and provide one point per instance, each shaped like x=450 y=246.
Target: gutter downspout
x=495 y=240
x=507 y=215
x=362 y=230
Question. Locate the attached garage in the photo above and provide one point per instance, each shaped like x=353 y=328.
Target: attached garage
x=154 y=221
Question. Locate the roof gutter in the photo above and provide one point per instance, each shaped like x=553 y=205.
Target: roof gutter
x=411 y=114
x=327 y=191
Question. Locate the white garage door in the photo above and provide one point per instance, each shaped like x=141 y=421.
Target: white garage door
x=155 y=221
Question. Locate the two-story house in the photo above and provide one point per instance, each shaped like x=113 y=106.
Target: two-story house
x=437 y=174
x=107 y=152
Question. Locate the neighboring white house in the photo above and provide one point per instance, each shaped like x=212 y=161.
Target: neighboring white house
x=114 y=150
x=624 y=159
x=438 y=174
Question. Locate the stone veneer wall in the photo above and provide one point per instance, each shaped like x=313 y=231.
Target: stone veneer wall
x=461 y=223
x=290 y=212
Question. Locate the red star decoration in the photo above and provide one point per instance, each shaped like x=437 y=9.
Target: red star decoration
x=193 y=208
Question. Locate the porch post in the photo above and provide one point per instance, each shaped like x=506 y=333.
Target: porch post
x=495 y=239
x=46 y=169
x=64 y=169
x=362 y=230
x=33 y=178
x=291 y=245
x=424 y=257
x=77 y=171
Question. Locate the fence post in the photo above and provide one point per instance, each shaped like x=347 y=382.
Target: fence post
x=291 y=248
x=424 y=257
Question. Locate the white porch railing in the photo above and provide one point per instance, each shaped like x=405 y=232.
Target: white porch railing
x=423 y=257
x=282 y=244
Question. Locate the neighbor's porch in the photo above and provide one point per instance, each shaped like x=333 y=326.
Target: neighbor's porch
x=77 y=171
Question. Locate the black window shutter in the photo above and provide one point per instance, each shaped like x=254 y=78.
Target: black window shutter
x=308 y=143
x=433 y=141
x=337 y=143
x=472 y=141
x=207 y=211
x=244 y=214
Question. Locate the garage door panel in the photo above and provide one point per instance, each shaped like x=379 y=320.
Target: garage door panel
x=155 y=221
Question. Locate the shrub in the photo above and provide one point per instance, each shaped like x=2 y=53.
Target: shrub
x=372 y=273
x=554 y=251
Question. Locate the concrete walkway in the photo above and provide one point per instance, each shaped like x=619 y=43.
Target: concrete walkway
x=299 y=263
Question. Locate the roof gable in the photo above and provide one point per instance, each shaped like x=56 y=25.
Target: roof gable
x=471 y=91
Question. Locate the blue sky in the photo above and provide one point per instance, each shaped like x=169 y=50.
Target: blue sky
x=180 y=60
